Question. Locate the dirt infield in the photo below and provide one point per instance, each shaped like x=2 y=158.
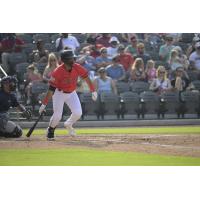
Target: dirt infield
x=181 y=145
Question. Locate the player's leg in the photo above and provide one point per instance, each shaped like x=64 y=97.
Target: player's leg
x=74 y=104
x=10 y=130
x=58 y=102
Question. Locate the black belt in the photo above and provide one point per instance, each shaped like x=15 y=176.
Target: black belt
x=64 y=91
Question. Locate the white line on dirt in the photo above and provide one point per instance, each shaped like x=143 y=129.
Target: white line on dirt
x=169 y=145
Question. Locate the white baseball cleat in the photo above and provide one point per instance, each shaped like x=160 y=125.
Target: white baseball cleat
x=71 y=130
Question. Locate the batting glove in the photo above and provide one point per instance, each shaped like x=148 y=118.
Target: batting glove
x=94 y=96
x=42 y=109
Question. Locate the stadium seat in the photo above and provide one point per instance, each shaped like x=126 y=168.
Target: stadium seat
x=16 y=58
x=154 y=55
x=37 y=89
x=139 y=86
x=149 y=103
x=27 y=38
x=42 y=36
x=41 y=67
x=130 y=103
x=110 y=104
x=29 y=49
x=193 y=75
x=54 y=37
x=21 y=70
x=122 y=87
x=89 y=107
x=81 y=37
x=191 y=102
x=170 y=103
x=50 y=47
x=184 y=46
x=196 y=84
x=159 y=62
x=148 y=47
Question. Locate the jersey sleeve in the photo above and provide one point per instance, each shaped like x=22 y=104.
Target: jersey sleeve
x=82 y=72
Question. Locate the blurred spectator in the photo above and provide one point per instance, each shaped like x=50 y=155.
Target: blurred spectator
x=150 y=71
x=103 y=60
x=125 y=59
x=137 y=71
x=31 y=76
x=87 y=61
x=103 y=83
x=191 y=48
x=161 y=83
x=67 y=40
x=41 y=54
x=95 y=50
x=153 y=38
x=132 y=48
x=141 y=53
x=115 y=70
x=91 y=38
x=104 y=39
x=51 y=65
x=112 y=50
x=174 y=60
x=9 y=43
x=183 y=58
x=195 y=57
x=165 y=49
x=126 y=37
x=181 y=82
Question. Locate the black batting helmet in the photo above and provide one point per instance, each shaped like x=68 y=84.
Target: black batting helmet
x=11 y=80
x=66 y=55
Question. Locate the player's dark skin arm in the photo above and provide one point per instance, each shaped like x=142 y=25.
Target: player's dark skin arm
x=90 y=84
x=48 y=96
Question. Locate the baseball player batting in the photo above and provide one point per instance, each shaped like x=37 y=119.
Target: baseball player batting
x=62 y=88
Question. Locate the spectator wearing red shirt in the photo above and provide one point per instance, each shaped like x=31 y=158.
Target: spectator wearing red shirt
x=125 y=59
x=94 y=50
x=104 y=40
x=8 y=45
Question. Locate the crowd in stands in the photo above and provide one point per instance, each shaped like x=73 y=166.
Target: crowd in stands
x=164 y=61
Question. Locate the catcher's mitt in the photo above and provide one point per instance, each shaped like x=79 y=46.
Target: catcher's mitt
x=27 y=114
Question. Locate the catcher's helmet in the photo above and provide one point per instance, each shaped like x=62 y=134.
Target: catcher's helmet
x=11 y=80
x=66 y=55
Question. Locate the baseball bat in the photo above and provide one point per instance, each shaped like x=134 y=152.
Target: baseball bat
x=34 y=125
x=3 y=71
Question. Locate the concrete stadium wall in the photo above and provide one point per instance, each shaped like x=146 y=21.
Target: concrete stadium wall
x=120 y=123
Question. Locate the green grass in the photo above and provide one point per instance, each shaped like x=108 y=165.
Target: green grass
x=92 y=157
x=86 y=157
x=130 y=130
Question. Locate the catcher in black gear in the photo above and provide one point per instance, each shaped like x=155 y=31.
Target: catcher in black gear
x=8 y=99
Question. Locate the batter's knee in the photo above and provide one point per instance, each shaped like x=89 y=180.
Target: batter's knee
x=77 y=113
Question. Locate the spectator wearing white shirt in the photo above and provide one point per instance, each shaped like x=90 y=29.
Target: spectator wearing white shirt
x=113 y=49
x=67 y=40
x=195 y=57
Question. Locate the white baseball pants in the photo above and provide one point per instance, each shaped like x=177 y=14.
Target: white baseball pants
x=72 y=101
